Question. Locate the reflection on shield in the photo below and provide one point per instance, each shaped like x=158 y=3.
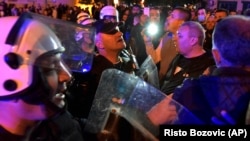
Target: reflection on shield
x=148 y=72
x=124 y=102
x=78 y=55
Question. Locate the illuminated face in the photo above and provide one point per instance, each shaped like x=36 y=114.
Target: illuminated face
x=201 y=15
x=183 y=40
x=173 y=22
x=154 y=15
x=57 y=75
x=113 y=42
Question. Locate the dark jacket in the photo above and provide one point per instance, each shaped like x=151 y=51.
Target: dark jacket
x=226 y=89
x=59 y=128
x=62 y=127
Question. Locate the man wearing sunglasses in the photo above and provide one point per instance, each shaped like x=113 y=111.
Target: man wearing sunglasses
x=109 y=45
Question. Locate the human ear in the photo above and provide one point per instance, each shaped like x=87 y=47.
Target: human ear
x=98 y=43
x=194 y=40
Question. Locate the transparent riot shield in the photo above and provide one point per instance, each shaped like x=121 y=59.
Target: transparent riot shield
x=78 y=41
x=148 y=72
x=126 y=97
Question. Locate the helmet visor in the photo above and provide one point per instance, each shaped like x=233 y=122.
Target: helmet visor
x=78 y=54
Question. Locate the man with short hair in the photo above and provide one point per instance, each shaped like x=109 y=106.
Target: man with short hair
x=202 y=16
x=221 y=13
x=192 y=60
x=228 y=87
x=109 y=41
x=166 y=50
x=110 y=47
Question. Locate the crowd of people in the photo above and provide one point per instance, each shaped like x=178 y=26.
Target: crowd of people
x=202 y=62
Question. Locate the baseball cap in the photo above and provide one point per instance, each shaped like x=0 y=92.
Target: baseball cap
x=107 y=26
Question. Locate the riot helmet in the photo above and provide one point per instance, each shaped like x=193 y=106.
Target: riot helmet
x=82 y=16
x=23 y=53
x=85 y=37
x=109 y=12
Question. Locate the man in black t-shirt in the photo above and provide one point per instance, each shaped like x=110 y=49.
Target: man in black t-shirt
x=192 y=60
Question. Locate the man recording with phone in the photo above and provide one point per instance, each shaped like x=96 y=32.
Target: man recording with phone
x=164 y=53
